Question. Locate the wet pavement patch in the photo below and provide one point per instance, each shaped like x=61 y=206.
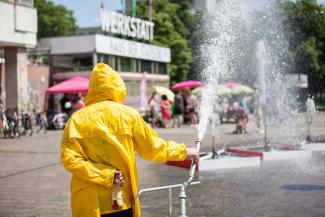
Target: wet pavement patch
x=303 y=187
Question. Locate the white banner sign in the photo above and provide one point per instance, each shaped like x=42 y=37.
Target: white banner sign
x=127 y=48
x=118 y=23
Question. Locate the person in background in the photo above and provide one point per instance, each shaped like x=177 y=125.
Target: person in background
x=165 y=111
x=2 y=107
x=240 y=117
x=68 y=108
x=153 y=109
x=178 y=109
x=2 y=110
x=191 y=104
x=225 y=113
x=258 y=111
x=243 y=103
x=310 y=105
x=66 y=105
x=78 y=103
x=98 y=147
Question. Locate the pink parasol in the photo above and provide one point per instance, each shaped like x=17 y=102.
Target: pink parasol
x=76 y=84
x=232 y=84
x=187 y=84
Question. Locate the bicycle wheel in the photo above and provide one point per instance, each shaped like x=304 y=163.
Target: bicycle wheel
x=2 y=133
x=31 y=131
x=45 y=128
x=12 y=132
x=39 y=128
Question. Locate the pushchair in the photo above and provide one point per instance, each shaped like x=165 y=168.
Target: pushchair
x=57 y=121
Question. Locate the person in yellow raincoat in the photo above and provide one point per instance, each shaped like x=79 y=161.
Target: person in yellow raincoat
x=98 y=147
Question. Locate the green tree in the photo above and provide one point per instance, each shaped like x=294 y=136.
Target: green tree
x=54 y=20
x=172 y=19
x=305 y=22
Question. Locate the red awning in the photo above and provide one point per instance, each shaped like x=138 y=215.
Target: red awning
x=76 y=84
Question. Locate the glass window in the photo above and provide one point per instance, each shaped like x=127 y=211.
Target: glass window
x=162 y=68
x=145 y=66
x=117 y=67
x=83 y=63
x=103 y=58
x=125 y=64
x=137 y=63
x=132 y=88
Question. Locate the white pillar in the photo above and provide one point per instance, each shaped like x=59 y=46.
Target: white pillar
x=16 y=77
x=95 y=59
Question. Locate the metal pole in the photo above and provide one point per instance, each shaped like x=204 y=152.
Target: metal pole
x=213 y=138
x=170 y=202
x=162 y=188
x=266 y=147
x=309 y=121
x=182 y=202
x=150 y=10
x=134 y=8
x=182 y=194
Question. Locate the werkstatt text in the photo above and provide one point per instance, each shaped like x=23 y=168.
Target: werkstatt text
x=118 y=23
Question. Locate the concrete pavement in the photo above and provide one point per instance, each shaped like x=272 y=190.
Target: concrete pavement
x=34 y=184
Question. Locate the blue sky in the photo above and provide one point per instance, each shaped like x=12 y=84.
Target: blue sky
x=87 y=12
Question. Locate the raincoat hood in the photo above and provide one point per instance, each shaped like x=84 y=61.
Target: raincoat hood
x=105 y=84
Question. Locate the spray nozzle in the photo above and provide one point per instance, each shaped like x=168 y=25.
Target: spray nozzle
x=198 y=144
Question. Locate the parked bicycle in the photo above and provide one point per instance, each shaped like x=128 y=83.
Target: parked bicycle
x=10 y=123
x=25 y=124
x=4 y=126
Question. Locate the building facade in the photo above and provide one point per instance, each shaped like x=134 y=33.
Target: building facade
x=76 y=55
x=18 y=24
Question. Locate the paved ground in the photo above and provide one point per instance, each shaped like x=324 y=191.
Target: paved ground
x=34 y=184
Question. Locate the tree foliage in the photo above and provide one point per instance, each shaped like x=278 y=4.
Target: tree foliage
x=54 y=20
x=172 y=20
x=304 y=21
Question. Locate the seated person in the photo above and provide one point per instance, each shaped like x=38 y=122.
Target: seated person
x=240 y=118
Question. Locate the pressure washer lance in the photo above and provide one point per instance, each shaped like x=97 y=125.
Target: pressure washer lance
x=182 y=194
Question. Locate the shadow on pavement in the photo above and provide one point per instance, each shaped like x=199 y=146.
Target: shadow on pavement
x=303 y=187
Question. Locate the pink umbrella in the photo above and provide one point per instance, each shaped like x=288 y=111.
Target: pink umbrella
x=231 y=84
x=187 y=84
x=76 y=84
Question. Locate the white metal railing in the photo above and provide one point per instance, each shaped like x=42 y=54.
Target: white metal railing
x=182 y=194
x=170 y=194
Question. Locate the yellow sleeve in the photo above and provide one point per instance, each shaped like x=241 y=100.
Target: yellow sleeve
x=75 y=161
x=151 y=147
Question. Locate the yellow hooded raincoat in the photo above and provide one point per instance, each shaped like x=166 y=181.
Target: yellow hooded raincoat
x=103 y=137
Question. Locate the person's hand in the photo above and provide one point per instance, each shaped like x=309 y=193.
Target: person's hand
x=118 y=177
x=192 y=153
